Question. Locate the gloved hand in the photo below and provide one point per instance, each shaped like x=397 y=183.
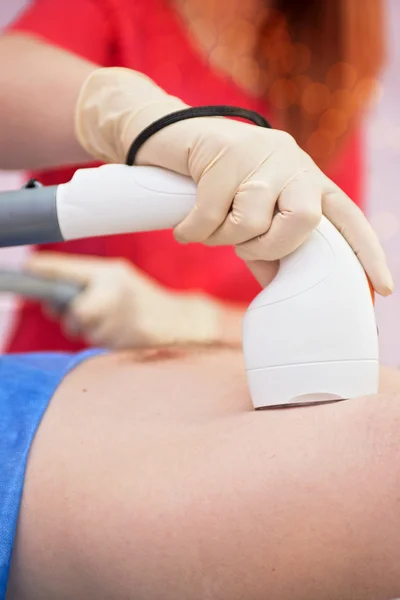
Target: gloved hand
x=121 y=307
x=243 y=173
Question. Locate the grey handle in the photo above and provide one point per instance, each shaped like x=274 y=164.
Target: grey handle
x=29 y=216
x=55 y=292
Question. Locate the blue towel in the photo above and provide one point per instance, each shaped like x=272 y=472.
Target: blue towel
x=27 y=384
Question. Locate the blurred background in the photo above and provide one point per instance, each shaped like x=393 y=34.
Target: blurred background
x=382 y=151
x=9 y=257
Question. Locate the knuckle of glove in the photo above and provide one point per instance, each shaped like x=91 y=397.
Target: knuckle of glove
x=282 y=139
x=251 y=208
x=211 y=218
x=212 y=214
x=121 y=267
x=95 y=310
x=119 y=279
x=251 y=224
x=84 y=317
x=307 y=217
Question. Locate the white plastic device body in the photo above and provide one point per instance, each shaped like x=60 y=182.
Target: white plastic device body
x=309 y=337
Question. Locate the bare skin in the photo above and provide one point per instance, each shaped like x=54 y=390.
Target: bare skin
x=157 y=481
x=40 y=83
x=225 y=31
x=39 y=87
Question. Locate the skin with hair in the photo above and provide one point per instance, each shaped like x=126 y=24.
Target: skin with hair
x=151 y=477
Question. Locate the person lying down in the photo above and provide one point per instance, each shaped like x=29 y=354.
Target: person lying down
x=150 y=477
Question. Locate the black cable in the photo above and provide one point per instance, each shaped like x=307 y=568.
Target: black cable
x=32 y=183
x=192 y=113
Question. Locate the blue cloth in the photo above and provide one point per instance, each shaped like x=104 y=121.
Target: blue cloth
x=27 y=384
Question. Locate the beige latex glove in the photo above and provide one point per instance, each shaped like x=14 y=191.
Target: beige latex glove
x=121 y=307
x=243 y=173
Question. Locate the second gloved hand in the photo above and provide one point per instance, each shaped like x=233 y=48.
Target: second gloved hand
x=121 y=307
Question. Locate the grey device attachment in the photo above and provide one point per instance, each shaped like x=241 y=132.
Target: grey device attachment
x=54 y=292
x=29 y=216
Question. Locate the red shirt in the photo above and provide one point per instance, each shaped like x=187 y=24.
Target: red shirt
x=147 y=35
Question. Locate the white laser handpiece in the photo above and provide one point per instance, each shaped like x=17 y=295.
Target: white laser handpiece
x=309 y=337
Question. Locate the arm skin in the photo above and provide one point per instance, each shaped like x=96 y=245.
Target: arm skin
x=156 y=481
x=39 y=87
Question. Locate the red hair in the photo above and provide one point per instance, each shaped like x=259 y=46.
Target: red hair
x=320 y=62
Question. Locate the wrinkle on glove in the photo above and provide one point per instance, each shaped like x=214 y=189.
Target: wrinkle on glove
x=27 y=384
x=256 y=188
